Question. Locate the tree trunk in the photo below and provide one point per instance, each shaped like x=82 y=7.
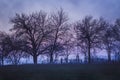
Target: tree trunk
x=61 y=60
x=109 y=56
x=77 y=58
x=2 y=61
x=66 y=59
x=89 y=54
x=35 y=59
x=85 y=58
x=51 y=58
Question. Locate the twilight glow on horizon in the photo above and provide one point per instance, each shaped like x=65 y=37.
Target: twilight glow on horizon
x=76 y=9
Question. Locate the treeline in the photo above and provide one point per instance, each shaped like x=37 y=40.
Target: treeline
x=53 y=35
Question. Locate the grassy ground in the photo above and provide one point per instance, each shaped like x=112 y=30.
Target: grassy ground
x=61 y=72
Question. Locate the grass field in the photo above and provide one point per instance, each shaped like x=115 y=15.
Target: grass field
x=61 y=72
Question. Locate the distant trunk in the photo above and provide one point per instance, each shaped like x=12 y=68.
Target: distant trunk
x=66 y=59
x=109 y=56
x=35 y=59
x=2 y=59
x=16 y=59
x=67 y=56
x=85 y=58
x=61 y=60
x=89 y=54
x=52 y=52
x=51 y=57
x=77 y=58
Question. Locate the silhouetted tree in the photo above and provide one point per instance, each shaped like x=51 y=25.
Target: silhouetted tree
x=17 y=46
x=35 y=29
x=107 y=38
x=83 y=49
x=59 y=26
x=4 y=46
x=116 y=36
x=68 y=45
x=88 y=33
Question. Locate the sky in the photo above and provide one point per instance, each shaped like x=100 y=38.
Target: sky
x=76 y=9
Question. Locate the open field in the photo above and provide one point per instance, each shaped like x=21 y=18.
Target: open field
x=61 y=72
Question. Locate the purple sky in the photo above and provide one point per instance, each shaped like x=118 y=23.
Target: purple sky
x=76 y=9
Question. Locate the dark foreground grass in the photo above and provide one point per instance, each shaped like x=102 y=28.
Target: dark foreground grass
x=61 y=72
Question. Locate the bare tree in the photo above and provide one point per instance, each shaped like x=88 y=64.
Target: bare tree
x=88 y=33
x=17 y=52
x=116 y=36
x=59 y=26
x=69 y=44
x=35 y=29
x=108 y=39
x=4 y=46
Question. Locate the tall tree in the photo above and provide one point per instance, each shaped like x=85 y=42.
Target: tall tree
x=4 y=46
x=116 y=35
x=108 y=39
x=35 y=29
x=59 y=26
x=88 y=33
x=69 y=44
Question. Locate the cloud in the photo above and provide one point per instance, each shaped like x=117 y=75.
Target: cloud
x=76 y=9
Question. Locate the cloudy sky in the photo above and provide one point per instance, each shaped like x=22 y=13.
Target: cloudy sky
x=76 y=9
